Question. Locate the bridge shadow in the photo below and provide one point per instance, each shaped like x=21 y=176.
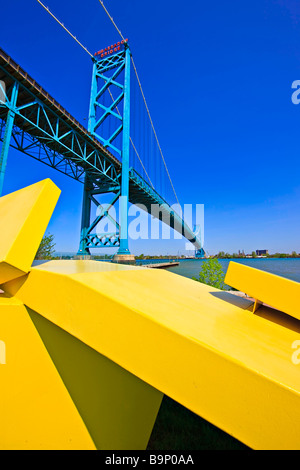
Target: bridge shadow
x=38 y=262
x=281 y=318
x=264 y=311
x=233 y=299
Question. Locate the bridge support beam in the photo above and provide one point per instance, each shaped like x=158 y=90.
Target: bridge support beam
x=7 y=134
x=124 y=248
x=85 y=220
x=200 y=253
x=124 y=254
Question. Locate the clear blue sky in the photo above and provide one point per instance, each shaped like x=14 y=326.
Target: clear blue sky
x=217 y=77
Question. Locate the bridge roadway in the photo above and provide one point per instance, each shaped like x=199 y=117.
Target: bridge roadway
x=44 y=130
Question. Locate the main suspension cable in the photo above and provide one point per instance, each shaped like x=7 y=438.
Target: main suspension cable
x=64 y=27
x=111 y=19
x=154 y=132
x=138 y=79
x=131 y=141
x=145 y=102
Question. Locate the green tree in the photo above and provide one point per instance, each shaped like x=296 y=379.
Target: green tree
x=46 y=248
x=212 y=274
x=253 y=254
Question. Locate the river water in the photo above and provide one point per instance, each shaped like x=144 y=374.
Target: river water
x=286 y=267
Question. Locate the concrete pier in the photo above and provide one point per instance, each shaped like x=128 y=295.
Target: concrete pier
x=161 y=265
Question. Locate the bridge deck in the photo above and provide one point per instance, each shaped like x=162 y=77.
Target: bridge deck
x=69 y=147
x=14 y=71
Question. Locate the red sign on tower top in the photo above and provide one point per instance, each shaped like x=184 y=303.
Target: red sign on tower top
x=111 y=49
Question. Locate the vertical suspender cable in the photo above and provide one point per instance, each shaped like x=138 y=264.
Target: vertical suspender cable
x=148 y=112
x=135 y=70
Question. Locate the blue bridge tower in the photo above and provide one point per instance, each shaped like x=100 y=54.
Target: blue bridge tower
x=109 y=122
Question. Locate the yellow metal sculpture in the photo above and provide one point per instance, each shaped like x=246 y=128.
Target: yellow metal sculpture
x=24 y=217
x=282 y=294
x=87 y=364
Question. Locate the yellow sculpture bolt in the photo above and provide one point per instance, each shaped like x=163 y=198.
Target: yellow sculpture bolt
x=91 y=348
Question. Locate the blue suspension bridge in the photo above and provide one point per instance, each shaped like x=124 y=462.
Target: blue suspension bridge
x=118 y=154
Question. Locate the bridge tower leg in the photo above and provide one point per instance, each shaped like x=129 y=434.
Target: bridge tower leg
x=85 y=219
x=123 y=252
x=107 y=73
x=7 y=134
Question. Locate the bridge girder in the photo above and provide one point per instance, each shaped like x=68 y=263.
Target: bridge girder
x=42 y=129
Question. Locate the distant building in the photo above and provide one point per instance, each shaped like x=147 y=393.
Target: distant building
x=262 y=252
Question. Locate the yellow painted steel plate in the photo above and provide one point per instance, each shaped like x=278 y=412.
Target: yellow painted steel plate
x=199 y=345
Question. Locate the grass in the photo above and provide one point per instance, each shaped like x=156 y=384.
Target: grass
x=177 y=428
